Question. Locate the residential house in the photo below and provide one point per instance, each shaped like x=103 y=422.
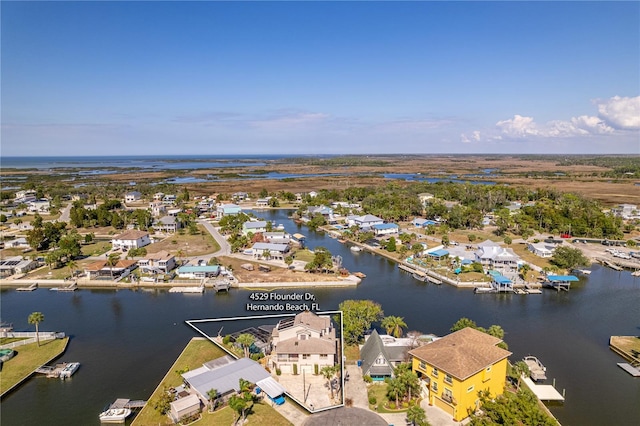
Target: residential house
x=158 y=196
x=277 y=237
x=325 y=211
x=20 y=242
x=453 y=369
x=131 y=239
x=40 y=206
x=381 y=354
x=198 y=272
x=132 y=197
x=494 y=257
x=167 y=224
x=541 y=249
x=312 y=194
x=254 y=226
x=25 y=194
x=385 y=229
x=364 y=222
x=160 y=262
x=100 y=269
x=305 y=341
x=419 y=222
x=227 y=210
x=627 y=211
x=169 y=199
x=184 y=407
x=79 y=197
x=224 y=374
x=275 y=251
x=239 y=196
x=263 y=202
x=157 y=208
x=16 y=265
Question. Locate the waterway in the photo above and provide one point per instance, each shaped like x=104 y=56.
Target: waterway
x=127 y=340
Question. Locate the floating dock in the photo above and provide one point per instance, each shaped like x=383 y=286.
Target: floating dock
x=70 y=287
x=634 y=371
x=544 y=392
x=63 y=370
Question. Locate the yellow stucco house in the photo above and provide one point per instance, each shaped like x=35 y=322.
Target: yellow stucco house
x=454 y=368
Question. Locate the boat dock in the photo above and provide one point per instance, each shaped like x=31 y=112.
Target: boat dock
x=32 y=287
x=126 y=403
x=71 y=287
x=63 y=370
x=544 y=392
x=634 y=371
x=627 y=347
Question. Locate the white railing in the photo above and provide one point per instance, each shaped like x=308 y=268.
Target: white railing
x=30 y=337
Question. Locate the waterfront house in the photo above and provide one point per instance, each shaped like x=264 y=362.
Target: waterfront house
x=20 y=242
x=227 y=210
x=254 y=226
x=381 y=354
x=169 y=199
x=305 y=341
x=16 y=265
x=158 y=196
x=325 y=211
x=100 y=269
x=277 y=237
x=132 y=197
x=263 y=202
x=198 y=272
x=40 y=206
x=224 y=374
x=627 y=211
x=453 y=369
x=492 y=256
x=160 y=262
x=239 y=196
x=184 y=407
x=364 y=222
x=132 y=238
x=541 y=249
x=385 y=229
x=275 y=251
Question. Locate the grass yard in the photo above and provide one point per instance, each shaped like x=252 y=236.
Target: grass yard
x=304 y=255
x=190 y=245
x=527 y=256
x=7 y=340
x=28 y=358
x=197 y=352
x=96 y=248
x=352 y=353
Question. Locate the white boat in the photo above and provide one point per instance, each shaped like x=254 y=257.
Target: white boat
x=484 y=290
x=355 y=249
x=114 y=415
x=537 y=371
x=68 y=370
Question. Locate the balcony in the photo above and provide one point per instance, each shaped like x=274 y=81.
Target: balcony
x=449 y=398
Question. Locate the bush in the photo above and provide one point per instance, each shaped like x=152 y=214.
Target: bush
x=295 y=369
x=348 y=402
x=367 y=379
x=315 y=369
x=226 y=340
x=405 y=405
x=392 y=405
x=278 y=372
x=373 y=400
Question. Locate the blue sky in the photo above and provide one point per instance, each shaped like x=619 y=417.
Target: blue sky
x=94 y=78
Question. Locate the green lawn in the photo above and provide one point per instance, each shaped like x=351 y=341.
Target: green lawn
x=7 y=340
x=379 y=391
x=27 y=359
x=193 y=356
x=352 y=353
x=96 y=248
x=304 y=255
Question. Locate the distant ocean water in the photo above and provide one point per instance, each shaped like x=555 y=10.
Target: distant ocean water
x=139 y=161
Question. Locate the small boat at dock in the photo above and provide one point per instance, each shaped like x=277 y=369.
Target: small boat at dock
x=68 y=370
x=359 y=275
x=537 y=371
x=355 y=249
x=114 y=415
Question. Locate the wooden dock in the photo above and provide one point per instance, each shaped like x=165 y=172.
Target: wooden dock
x=634 y=371
x=221 y=285
x=32 y=287
x=543 y=392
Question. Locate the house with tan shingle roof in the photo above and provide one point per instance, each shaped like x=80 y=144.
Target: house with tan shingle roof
x=305 y=341
x=453 y=369
x=100 y=269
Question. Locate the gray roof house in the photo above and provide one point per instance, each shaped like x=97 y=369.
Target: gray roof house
x=381 y=354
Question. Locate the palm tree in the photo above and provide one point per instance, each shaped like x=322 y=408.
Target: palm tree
x=72 y=264
x=212 y=394
x=417 y=416
x=245 y=340
x=393 y=325
x=328 y=371
x=36 y=318
x=180 y=254
x=266 y=254
x=112 y=261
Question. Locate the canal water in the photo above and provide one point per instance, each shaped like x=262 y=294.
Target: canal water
x=127 y=340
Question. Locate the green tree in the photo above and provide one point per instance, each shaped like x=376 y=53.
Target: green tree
x=393 y=325
x=212 y=397
x=416 y=416
x=569 y=257
x=245 y=340
x=507 y=240
x=391 y=244
x=328 y=372
x=36 y=318
x=72 y=265
x=445 y=240
x=163 y=403
x=358 y=315
x=3 y=218
x=112 y=261
x=463 y=323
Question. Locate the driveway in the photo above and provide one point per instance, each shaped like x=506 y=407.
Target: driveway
x=225 y=247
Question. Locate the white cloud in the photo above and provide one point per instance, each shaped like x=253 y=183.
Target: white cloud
x=621 y=113
x=616 y=116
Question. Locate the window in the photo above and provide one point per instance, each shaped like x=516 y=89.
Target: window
x=423 y=366
x=448 y=379
x=435 y=372
x=447 y=395
x=470 y=389
x=324 y=356
x=305 y=356
x=434 y=387
x=489 y=369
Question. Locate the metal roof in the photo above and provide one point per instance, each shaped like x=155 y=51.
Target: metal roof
x=226 y=378
x=562 y=278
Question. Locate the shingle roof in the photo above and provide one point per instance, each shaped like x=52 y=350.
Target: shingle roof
x=102 y=264
x=370 y=351
x=463 y=353
x=131 y=234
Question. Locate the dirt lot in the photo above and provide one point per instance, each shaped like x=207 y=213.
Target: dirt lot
x=277 y=274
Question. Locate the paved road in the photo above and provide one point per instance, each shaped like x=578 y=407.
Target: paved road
x=65 y=213
x=225 y=247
